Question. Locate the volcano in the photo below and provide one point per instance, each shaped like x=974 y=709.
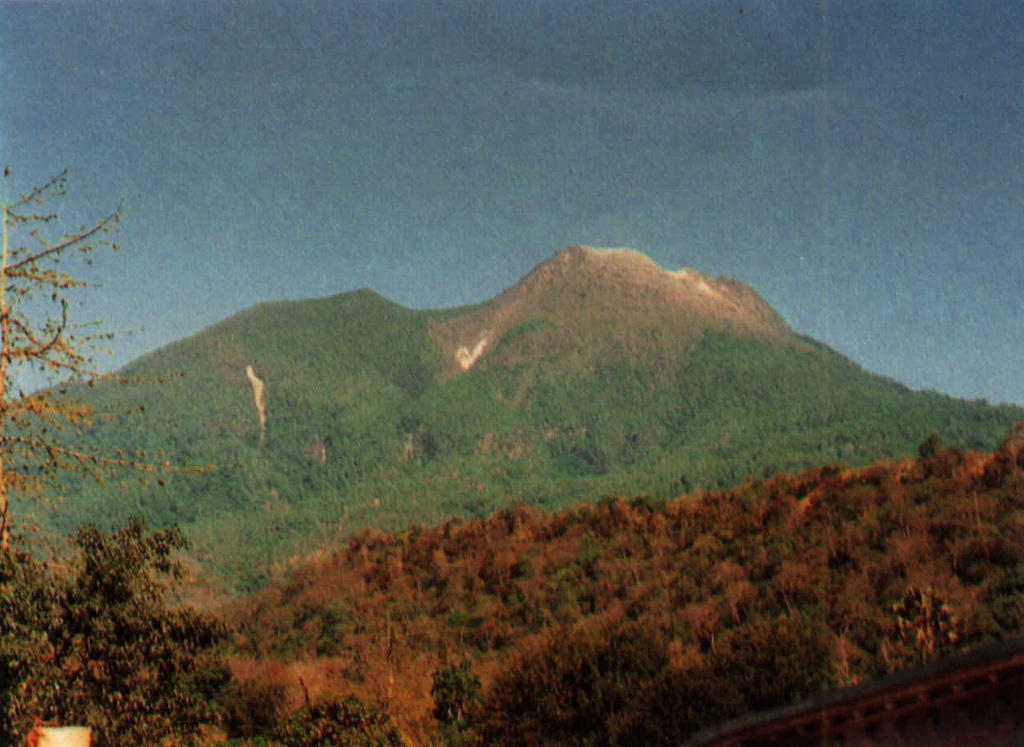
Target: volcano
x=598 y=373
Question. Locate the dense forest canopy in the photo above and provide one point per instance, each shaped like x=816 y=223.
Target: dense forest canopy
x=617 y=622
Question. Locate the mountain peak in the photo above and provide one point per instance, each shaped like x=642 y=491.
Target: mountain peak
x=608 y=297
x=629 y=271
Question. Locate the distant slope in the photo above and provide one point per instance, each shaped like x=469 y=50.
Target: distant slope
x=598 y=373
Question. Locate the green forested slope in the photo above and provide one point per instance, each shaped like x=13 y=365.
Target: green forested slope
x=367 y=427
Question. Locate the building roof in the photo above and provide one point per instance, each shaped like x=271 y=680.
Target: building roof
x=979 y=693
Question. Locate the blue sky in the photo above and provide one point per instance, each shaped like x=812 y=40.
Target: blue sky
x=859 y=163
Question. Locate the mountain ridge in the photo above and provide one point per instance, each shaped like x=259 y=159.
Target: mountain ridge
x=598 y=373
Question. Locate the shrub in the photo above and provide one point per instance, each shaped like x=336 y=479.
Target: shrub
x=338 y=722
x=456 y=691
x=676 y=704
x=252 y=709
x=572 y=688
x=773 y=662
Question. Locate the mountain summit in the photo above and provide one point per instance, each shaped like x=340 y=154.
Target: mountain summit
x=607 y=299
x=599 y=372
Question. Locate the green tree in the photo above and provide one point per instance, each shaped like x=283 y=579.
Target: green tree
x=573 y=689
x=456 y=691
x=676 y=704
x=94 y=643
x=344 y=722
x=773 y=662
x=930 y=446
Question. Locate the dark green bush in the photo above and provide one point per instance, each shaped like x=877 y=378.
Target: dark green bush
x=456 y=690
x=338 y=722
x=773 y=662
x=570 y=691
x=252 y=709
x=676 y=704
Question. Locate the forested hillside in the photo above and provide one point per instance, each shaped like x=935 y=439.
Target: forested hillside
x=598 y=374
x=643 y=619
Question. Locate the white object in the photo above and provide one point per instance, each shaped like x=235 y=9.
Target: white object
x=64 y=736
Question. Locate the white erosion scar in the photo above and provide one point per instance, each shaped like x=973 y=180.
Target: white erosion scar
x=466 y=357
x=699 y=283
x=259 y=398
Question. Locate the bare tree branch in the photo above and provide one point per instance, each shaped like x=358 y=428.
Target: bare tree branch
x=34 y=446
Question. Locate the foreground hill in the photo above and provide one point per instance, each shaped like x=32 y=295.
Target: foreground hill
x=598 y=373
x=640 y=621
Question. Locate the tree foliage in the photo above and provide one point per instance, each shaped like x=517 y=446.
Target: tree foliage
x=619 y=685
x=778 y=587
x=338 y=722
x=456 y=693
x=573 y=688
x=775 y=661
x=95 y=643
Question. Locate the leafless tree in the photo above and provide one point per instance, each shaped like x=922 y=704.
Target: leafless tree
x=39 y=342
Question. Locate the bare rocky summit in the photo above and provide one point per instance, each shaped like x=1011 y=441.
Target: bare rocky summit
x=596 y=300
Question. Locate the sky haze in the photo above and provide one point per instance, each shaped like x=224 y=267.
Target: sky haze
x=860 y=164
